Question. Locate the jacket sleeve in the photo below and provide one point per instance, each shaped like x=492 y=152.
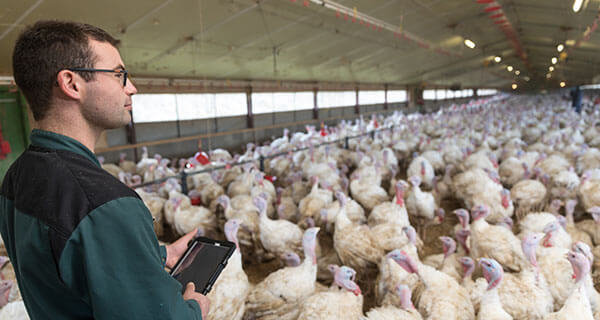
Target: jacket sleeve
x=114 y=260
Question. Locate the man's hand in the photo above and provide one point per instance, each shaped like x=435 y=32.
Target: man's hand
x=191 y=294
x=176 y=249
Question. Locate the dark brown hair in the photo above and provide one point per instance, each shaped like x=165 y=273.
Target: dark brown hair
x=48 y=47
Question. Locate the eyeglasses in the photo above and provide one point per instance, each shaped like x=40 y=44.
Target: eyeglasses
x=123 y=72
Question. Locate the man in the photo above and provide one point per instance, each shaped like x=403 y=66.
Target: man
x=82 y=243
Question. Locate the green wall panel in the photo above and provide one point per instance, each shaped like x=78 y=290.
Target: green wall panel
x=15 y=126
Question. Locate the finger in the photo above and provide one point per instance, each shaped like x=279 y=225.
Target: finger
x=185 y=240
x=190 y=235
x=190 y=286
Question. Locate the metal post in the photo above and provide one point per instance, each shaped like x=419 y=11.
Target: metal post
x=315 y=104
x=261 y=163
x=177 y=122
x=184 y=186
x=249 y=115
x=385 y=103
x=356 y=106
x=346 y=143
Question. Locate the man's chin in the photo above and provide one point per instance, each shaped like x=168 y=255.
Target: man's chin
x=116 y=125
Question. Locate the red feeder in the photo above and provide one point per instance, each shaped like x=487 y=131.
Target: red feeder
x=202 y=157
x=497 y=15
x=492 y=9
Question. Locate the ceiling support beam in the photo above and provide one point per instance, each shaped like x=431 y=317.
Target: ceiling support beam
x=183 y=42
x=337 y=57
x=268 y=34
x=439 y=69
x=20 y=18
x=142 y=18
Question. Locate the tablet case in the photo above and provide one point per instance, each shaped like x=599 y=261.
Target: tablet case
x=219 y=268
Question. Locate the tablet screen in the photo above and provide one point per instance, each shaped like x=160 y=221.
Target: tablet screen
x=201 y=262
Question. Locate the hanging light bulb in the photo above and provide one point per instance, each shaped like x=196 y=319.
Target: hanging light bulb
x=497 y=59
x=551 y=68
x=577 y=5
x=554 y=60
x=509 y=68
x=514 y=86
x=560 y=47
x=517 y=72
x=562 y=84
x=469 y=43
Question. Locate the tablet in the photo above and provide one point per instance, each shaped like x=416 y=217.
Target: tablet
x=202 y=263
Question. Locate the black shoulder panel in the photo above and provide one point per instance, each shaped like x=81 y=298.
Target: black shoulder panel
x=60 y=188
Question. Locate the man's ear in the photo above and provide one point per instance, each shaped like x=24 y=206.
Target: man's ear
x=69 y=83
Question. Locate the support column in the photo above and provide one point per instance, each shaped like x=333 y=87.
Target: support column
x=356 y=107
x=411 y=101
x=249 y=116
x=415 y=98
x=385 y=103
x=315 y=104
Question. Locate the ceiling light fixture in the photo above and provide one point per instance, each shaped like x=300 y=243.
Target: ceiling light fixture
x=497 y=59
x=469 y=43
x=517 y=72
x=551 y=68
x=509 y=68
x=577 y=5
x=560 y=47
x=562 y=84
x=554 y=60
x=514 y=86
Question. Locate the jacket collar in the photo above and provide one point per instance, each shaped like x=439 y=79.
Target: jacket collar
x=53 y=140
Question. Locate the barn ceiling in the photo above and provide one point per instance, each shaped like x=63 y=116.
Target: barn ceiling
x=419 y=42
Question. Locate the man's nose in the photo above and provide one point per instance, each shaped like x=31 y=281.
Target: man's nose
x=130 y=87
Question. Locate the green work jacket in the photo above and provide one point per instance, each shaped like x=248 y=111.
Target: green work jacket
x=81 y=242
